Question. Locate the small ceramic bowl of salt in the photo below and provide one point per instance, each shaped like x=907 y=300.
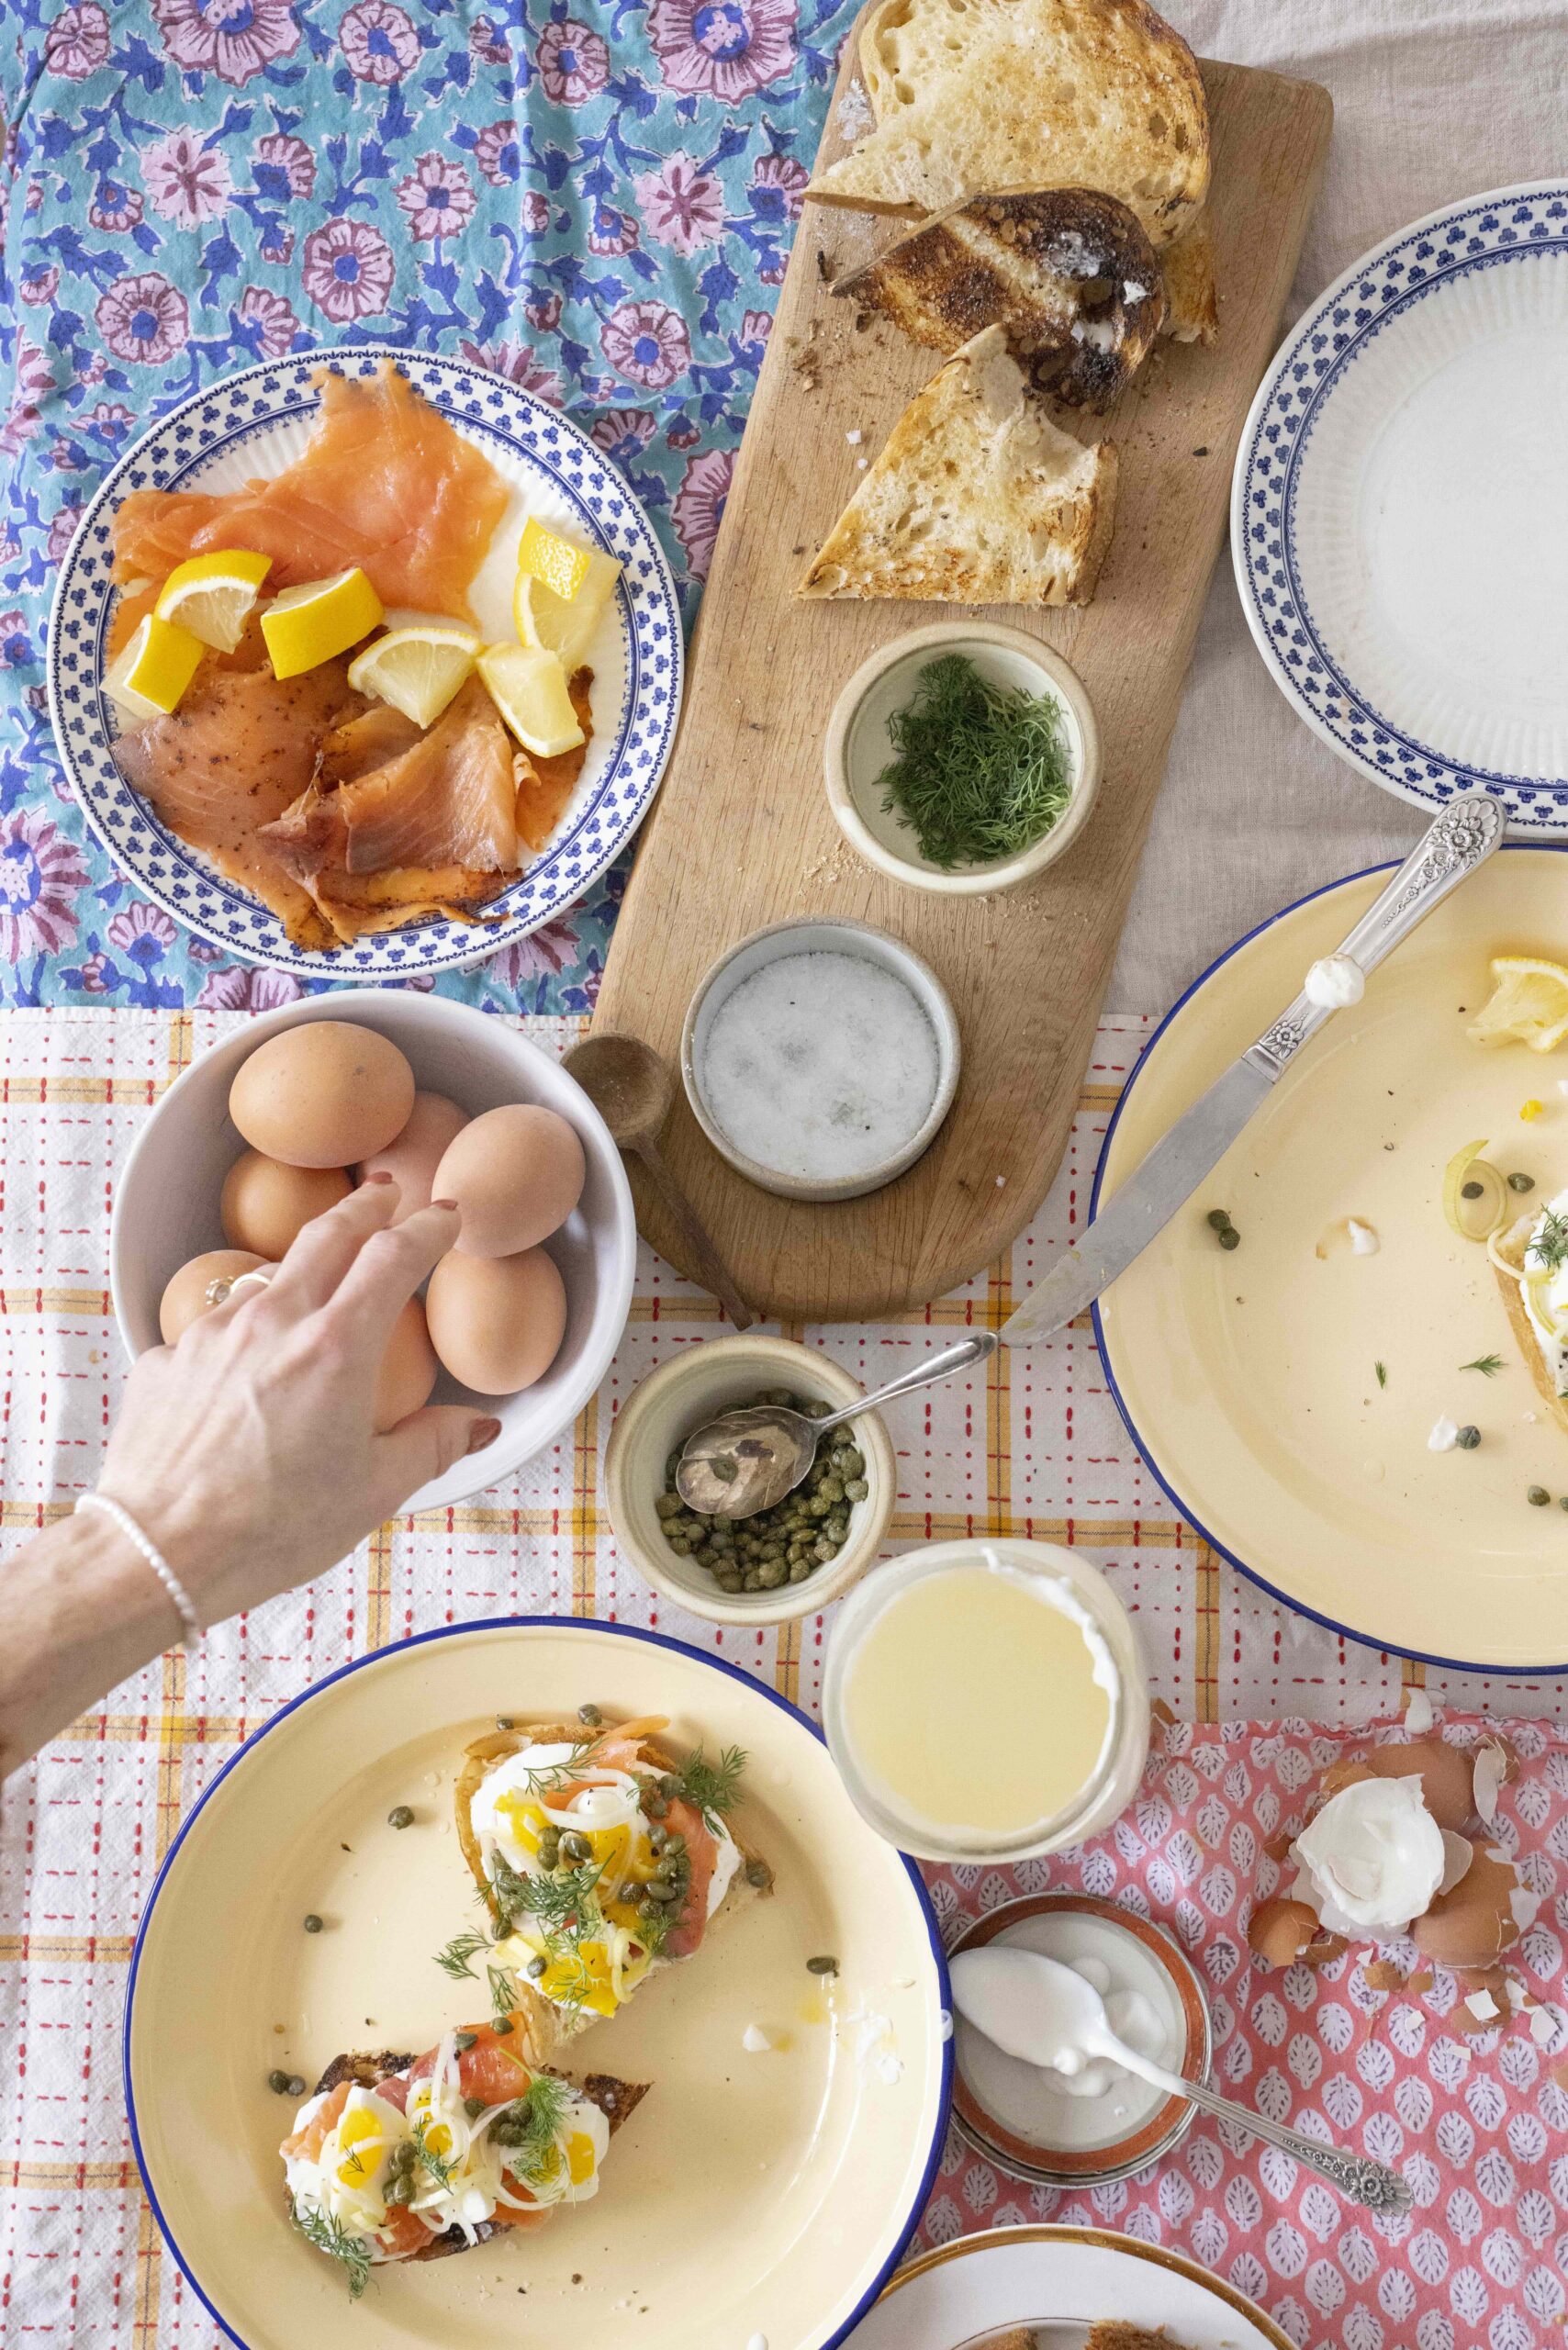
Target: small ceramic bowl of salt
x=819 y=1058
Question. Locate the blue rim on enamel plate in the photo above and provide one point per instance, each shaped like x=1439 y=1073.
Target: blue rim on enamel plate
x=213 y=439
x=787 y=2183
x=1281 y=1452
x=1399 y=509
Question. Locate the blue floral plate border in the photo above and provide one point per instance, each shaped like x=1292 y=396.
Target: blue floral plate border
x=1500 y=229
x=182 y=443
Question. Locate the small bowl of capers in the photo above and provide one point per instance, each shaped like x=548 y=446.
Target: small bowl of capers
x=787 y=1561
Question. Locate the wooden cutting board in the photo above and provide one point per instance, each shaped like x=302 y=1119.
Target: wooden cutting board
x=742 y=835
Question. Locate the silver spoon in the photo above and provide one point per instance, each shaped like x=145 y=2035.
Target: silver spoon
x=1059 y=2020
x=747 y=1460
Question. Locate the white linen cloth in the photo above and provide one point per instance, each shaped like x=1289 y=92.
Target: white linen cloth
x=1434 y=100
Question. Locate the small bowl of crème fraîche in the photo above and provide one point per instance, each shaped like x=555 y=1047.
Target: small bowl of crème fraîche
x=962 y=758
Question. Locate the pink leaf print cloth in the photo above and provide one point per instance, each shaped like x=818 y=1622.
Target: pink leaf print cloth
x=1475 y=2120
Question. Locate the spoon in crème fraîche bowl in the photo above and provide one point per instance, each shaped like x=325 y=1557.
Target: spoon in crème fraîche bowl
x=1045 y=2013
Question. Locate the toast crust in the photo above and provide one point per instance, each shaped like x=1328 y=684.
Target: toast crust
x=546 y=2026
x=1506 y=1251
x=615 y=2099
x=1068 y=274
x=1191 y=298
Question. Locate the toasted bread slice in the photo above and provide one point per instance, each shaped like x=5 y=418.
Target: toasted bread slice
x=1066 y=273
x=1506 y=1251
x=615 y=2099
x=971 y=94
x=1191 y=299
x=976 y=498
x=547 y=2026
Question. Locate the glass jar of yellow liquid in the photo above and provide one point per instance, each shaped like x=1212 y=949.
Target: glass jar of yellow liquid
x=986 y=1700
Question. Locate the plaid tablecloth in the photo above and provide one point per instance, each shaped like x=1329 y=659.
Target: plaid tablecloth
x=1034 y=1447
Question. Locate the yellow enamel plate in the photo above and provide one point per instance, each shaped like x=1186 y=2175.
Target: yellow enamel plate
x=1250 y=1378
x=1057 y=2282
x=748 y=2194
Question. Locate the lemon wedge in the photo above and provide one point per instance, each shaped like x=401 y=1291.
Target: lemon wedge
x=418 y=670
x=214 y=595
x=150 y=674
x=528 y=686
x=309 y=624
x=562 y=590
x=1529 y=1004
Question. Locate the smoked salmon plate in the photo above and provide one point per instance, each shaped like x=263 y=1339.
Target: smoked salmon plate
x=600 y=1858
x=403 y=2158
x=379 y=679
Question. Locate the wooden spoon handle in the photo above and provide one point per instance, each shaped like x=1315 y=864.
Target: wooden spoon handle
x=710 y=1269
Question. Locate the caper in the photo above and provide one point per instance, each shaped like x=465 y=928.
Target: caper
x=658 y=1836
x=757 y=1873
x=1219 y=1219
x=473 y=2107
x=295 y=2085
x=312 y=1923
x=1468 y=1438
x=505 y=1721
x=1470 y=1191
x=277 y=2082
x=504 y=2029
x=1230 y=1237
x=576 y=1847
x=682 y=1550
x=674 y=1842
x=815 y=1409
x=668 y=1506
x=399 y=1816
x=822 y=1966
x=535 y=1966
x=463 y=2041
x=854 y=1461
x=1521 y=1182
x=855 y=1489
x=1538 y=1497
x=799 y=1570
x=730 y=1581
x=753 y=1579
x=657 y=1807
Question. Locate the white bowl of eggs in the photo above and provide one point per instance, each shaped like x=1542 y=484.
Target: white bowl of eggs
x=277 y=1123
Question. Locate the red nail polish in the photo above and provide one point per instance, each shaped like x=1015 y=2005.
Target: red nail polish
x=482 y=1433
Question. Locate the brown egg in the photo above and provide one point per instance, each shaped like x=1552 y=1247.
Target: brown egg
x=1472 y=1923
x=265 y=1203
x=496 y=1322
x=408 y=1369
x=326 y=1093
x=186 y=1299
x=1447 y=1774
x=412 y=1158
x=517 y=1173
x=1282 y=1931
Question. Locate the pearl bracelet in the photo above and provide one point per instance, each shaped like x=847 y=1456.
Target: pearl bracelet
x=194 y=1630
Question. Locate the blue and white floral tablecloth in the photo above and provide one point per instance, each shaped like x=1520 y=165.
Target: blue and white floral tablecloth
x=596 y=200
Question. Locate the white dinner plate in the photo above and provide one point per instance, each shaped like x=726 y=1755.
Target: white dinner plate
x=1399 y=513
x=1059 y=2280
x=252 y=425
x=1282 y=1393
x=749 y=2193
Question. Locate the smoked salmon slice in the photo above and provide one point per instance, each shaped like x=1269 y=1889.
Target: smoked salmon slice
x=449 y=799
x=384 y=482
x=238 y=751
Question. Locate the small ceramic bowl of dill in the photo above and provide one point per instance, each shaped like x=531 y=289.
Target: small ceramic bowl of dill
x=962 y=758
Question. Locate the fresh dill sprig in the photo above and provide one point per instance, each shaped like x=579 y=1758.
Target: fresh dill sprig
x=440 y=2169
x=454 y=1960
x=1382 y=1370
x=565 y=1909
x=1487 y=1365
x=980 y=770
x=328 y=2235
x=1549 y=1245
x=531 y=2128
x=711 y=1789
x=503 y=1991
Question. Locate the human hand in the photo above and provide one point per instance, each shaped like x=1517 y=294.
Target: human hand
x=246 y=1453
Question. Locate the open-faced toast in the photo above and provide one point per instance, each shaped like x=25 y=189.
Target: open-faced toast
x=396 y=2158
x=971 y=94
x=1066 y=273
x=1508 y=1251
x=977 y=497
x=604 y=1859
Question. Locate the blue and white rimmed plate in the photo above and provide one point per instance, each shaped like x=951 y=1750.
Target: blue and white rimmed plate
x=256 y=423
x=1399 y=514
x=1284 y=1391
x=765 y=2193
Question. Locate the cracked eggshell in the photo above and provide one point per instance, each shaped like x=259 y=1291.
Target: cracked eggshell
x=1281 y=1931
x=1472 y=1925
x=1373 y=1856
x=1447 y=1774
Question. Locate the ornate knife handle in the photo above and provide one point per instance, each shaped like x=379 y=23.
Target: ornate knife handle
x=1459 y=840
x=1357 y=2176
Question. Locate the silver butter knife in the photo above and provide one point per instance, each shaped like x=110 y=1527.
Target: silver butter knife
x=1452 y=847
